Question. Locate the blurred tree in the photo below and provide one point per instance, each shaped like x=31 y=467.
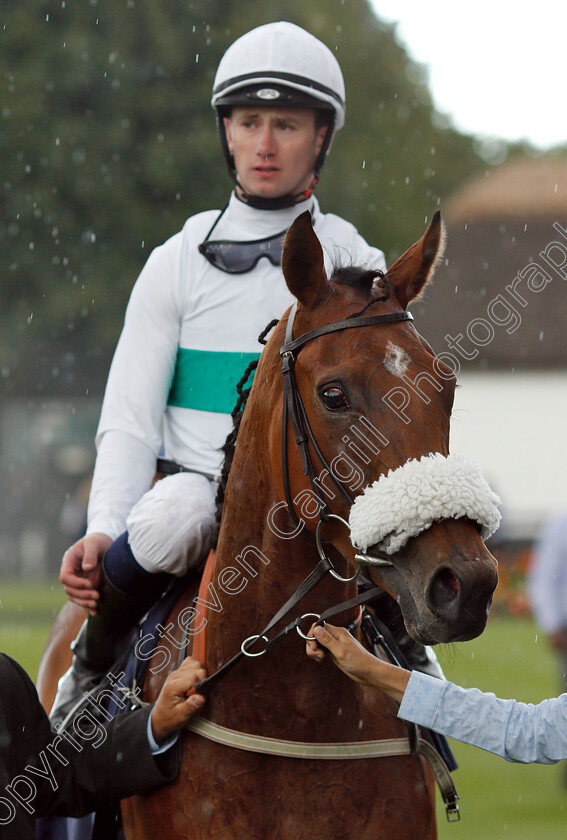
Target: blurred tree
x=108 y=142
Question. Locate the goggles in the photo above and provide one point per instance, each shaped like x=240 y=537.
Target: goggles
x=240 y=257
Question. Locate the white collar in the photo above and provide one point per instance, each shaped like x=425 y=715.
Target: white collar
x=244 y=222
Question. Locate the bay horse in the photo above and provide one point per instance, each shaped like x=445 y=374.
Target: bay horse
x=442 y=578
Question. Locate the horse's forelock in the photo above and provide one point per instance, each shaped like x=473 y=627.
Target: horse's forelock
x=355 y=276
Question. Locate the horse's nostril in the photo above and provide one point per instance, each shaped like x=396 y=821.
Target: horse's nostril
x=443 y=592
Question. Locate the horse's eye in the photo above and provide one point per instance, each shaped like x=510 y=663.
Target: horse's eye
x=335 y=399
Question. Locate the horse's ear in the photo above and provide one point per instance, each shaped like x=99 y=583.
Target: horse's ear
x=411 y=272
x=303 y=263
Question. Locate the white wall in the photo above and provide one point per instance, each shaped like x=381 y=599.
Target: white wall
x=515 y=427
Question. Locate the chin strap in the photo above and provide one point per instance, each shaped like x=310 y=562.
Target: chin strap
x=280 y=203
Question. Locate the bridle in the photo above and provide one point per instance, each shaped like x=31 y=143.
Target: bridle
x=294 y=411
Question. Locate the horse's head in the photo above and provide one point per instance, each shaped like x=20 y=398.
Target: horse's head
x=378 y=403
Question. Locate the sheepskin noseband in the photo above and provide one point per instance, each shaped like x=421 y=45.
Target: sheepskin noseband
x=409 y=499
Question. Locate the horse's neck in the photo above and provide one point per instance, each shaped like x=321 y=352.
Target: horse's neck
x=256 y=572
x=265 y=569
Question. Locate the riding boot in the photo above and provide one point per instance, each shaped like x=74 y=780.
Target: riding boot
x=127 y=593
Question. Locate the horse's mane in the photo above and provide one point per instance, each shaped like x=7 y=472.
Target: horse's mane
x=371 y=281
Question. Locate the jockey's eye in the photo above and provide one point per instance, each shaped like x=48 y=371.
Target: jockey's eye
x=334 y=399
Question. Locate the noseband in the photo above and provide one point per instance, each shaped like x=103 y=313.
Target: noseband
x=294 y=410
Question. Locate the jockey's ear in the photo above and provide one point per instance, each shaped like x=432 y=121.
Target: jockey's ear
x=303 y=263
x=412 y=271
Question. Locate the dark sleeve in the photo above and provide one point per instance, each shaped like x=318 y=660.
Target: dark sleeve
x=76 y=775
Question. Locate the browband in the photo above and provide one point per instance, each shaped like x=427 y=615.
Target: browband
x=291 y=344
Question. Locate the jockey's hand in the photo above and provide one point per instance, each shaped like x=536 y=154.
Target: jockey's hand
x=355 y=661
x=173 y=708
x=81 y=570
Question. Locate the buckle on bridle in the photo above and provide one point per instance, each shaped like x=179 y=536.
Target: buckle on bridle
x=321 y=550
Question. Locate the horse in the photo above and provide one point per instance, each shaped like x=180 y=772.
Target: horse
x=362 y=396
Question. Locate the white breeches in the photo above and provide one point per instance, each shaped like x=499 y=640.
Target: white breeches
x=172 y=526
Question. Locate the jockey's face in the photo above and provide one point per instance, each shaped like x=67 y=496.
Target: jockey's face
x=274 y=149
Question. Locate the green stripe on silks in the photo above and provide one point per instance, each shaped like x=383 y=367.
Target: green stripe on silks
x=206 y=380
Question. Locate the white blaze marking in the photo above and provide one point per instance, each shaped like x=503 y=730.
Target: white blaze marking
x=396 y=360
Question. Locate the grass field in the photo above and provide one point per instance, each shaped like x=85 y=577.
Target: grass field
x=498 y=799
x=27 y=612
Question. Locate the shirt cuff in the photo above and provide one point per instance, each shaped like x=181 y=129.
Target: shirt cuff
x=421 y=699
x=155 y=748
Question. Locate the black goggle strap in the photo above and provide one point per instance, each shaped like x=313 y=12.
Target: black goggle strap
x=215 y=223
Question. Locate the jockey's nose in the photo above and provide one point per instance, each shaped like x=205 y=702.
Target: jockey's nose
x=266 y=147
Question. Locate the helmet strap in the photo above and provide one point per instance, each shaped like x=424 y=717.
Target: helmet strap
x=279 y=203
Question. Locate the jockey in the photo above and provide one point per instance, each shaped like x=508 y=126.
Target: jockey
x=191 y=326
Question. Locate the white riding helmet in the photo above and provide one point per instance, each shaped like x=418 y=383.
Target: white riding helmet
x=279 y=64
